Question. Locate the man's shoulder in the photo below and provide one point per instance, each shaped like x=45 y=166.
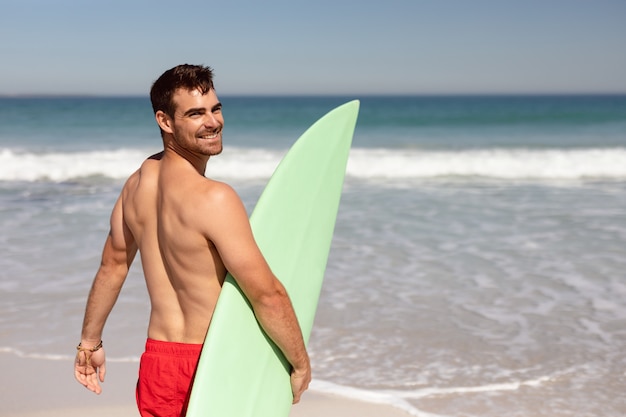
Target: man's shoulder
x=216 y=191
x=215 y=206
x=147 y=170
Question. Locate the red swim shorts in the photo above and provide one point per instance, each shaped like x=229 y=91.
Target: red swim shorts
x=166 y=372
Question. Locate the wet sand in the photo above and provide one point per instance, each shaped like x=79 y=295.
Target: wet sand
x=39 y=387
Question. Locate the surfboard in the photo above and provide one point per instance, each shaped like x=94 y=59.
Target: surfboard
x=241 y=373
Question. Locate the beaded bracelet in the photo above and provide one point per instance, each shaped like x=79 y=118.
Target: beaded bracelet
x=96 y=348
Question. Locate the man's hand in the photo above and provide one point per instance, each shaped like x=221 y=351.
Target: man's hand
x=89 y=368
x=300 y=380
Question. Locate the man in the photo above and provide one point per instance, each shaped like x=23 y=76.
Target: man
x=189 y=231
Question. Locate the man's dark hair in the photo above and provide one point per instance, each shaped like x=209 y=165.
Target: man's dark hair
x=189 y=77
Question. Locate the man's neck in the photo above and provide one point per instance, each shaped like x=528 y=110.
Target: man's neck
x=198 y=162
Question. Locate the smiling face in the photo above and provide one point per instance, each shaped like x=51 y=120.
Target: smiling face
x=196 y=125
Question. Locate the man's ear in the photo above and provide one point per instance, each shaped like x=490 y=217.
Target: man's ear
x=164 y=121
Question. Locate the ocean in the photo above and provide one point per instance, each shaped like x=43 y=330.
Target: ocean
x=478 y=266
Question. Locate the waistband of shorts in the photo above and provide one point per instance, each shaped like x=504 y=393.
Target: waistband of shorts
x=173 y=348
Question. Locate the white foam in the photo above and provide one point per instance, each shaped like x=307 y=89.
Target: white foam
x=16 y=166
x=62 y=358
x=608 y=163
x=399 y=398
x=505 y=386
x=252 y=163
x=20 y=354
x=374 y=397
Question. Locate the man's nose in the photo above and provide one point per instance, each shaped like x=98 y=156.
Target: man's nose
x=210 y=120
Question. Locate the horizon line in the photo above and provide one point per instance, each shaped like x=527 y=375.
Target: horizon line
x=328 y=95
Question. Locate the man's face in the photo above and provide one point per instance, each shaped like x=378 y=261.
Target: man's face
x=198 y=121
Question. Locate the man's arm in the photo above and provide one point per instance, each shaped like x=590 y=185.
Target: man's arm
x=230 y=231
x=117 y=256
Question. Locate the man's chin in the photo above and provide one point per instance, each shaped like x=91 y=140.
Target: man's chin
x=216 y=152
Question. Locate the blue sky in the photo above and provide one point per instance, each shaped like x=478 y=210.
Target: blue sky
x=316 y=47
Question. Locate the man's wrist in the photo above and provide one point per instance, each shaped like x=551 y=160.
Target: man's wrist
x=303 y=365
x=89 y=346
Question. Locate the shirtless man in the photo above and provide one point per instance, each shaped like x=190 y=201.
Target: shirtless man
x=189 y=231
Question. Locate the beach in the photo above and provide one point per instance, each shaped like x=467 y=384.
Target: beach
x=34 y=387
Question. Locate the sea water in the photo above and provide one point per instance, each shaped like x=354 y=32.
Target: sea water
x=478 y=266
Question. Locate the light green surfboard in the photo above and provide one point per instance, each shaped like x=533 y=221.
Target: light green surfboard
x=241 y=373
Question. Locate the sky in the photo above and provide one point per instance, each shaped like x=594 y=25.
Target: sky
x=339 y=47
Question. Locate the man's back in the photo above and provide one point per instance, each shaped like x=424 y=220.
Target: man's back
x=163 y=208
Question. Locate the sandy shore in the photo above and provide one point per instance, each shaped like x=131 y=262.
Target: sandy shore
x=37 y=388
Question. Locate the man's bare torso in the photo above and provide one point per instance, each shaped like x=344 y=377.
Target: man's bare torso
x=162 y=203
